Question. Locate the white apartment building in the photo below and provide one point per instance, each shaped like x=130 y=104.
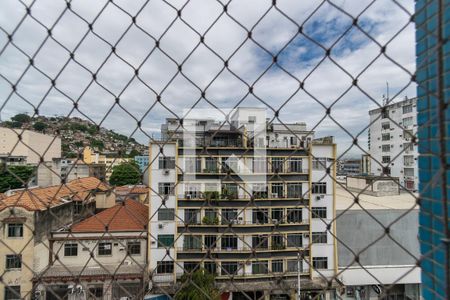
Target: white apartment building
x=391 y=144
x=244 y=201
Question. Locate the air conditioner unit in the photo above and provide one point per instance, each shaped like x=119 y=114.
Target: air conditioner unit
x=318 y=198
x=306 y=235
x=127 y=262
x=121 y=248
x=160 y=225
x=166 y=172
x=71 y=289
x=188 y=196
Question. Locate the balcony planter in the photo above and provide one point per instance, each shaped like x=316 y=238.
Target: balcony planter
x=210 y=221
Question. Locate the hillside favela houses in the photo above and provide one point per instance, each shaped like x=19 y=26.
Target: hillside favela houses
x=246 y=200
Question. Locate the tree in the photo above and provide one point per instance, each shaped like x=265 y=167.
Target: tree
x=39 y=126
x=21 y=118
x=126 y=173
x=133 y=153
x=198 y=286
x=9 y=181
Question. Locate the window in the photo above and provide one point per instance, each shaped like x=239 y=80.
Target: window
x=408 y=160
x=192 y=242
x=71 y=249
x=277 y=266
x=319 y=212
x=229 y=215
x=386 y=148
x=320 y=262
x=190 y=267
x=260 y=241
x=294 y=190
x=166 y=214
x=385 y=126
x=164 y=267
x=319 y=237
x=408 y=146
x=13 y=261
x=277 y=190
x=210 y=217
x=229 y=242
x=295 y=164
x=12 y=292
x=259 y=165
x=407 y=108
x=292 y=265
x=15 y=230
x=277 y=164
x=277 y=215
x=294 y=215
x=104 y=249
x=408 y=172
x=165 y=240
x=408 y=134
x=319 y=187
x=96 y=291
x=192 y=164
x=260 y=267
x=230 y=190
x=229 y=268
x=295 y=240
x=319 y=163
x=211 y=165
x=260 y=216
x=407 y=121
x=166 y=188
x=192 y=216
x=211 y=267
x=385 y=136
x=166 y=162
x=210 y=241
x=192 y=191
x=134 y=248
x=385 y=159
x=277 y=242
x=385 y=114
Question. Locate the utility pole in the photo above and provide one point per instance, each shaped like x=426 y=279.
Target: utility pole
x=298 y=275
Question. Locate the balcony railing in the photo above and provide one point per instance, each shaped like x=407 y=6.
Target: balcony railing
x=213 y=196
x=218 y=248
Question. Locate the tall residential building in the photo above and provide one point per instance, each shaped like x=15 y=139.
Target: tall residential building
x=391 y=142
x=30 y=148
x=244 y=201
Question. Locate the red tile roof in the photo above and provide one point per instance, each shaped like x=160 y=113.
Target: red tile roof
x=33 y=199
x=129 y=215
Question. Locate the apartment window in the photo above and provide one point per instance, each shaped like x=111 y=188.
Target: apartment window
x=260 y=267
x=211 y=267
x=277 y=190
x=190 y=267
x=294 y=215
x=294 y=141
x=192 y=216
x=229 y=242
x=71 y=249
x=15 y=230
x=295 y=240
x=408 y=160
x=165 y=188
x=259 y=165
x=385 y=136
x=277 y=215
x=385 y=159
x=277 y=266
x=192 y=190
x=134 y=248
x=319 y=237
x=210 y=241
x=408 y=134
x=319 y=187
x=230 y=190
x=385 y=114
x=292 y=265
x=319 y=163
x=277 y=241
x=295 y=164
x=104 y=249
x=210 y=216
x=192 y=164
x=229 y=215
x=277 y=164
x=166 y=214
x=407 y=108
x=166 y=162
x=12 y=292
x=385 y=126
x=192 y=242
x=319 y=212
x=294 y=190
x=260 y=216
x=386 y=148
x=165 y=240
x=408 y=172
x=407 y=121
x=211 y=165
x=260 y=241
x=229 y=268
x=164 y=267
x=13 y=261
x=320 y=263
x=408 y=146
x=230 y=164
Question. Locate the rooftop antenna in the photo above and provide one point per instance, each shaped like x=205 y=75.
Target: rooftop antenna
x=387 y=93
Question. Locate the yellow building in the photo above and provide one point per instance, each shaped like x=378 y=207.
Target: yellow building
x=92 y=157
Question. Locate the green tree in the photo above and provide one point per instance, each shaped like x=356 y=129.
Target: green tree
x=39 y=126
x=97 y=144
x=198 y=286
x=125 y=173
x=21 y=118
x=9 y=181
x=133 y=153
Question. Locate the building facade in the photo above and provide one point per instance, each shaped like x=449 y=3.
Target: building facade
x=108 y=160
x=239 y=203
x=392 y=145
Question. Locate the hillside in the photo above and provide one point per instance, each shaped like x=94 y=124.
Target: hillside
x=77 y=133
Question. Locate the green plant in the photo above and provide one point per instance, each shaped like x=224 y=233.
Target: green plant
x=211 y=195
x=210 y=221
x=198 y=286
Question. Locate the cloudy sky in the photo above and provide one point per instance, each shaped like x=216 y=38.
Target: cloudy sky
x=178 y=27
